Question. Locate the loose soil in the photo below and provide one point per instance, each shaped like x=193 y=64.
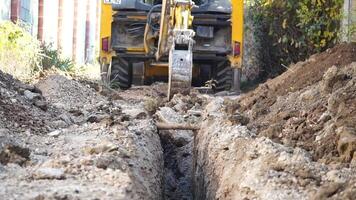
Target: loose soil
x=306 y=105
x=293 y=137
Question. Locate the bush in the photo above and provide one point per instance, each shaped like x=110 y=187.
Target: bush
x=292 y=30
x=20 y=53
x=52 y=58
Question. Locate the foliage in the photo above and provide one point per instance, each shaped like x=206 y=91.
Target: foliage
x=19 y=52
x=52 y=58
x=292 y=30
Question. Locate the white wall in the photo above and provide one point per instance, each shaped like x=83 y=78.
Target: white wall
x=349 y=20
x=67 y=28
x=50 y=21
x=34 y=17
x=81 y=25
x=92 y=39
x=5 y=6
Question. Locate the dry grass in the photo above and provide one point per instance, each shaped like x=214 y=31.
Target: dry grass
x=20 y=53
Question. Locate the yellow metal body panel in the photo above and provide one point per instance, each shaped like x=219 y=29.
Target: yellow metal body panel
x=237 y=19
x=105 y=31
x=159 y=71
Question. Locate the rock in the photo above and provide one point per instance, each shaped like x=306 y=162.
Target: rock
x=347 y=143
x=151 y=105
x=97 y=118
x=66 y=118
x=49 y=173
x=55 y=133
x=4 y=132
x=110 y=161
x=327 y=191
x=21 y=86
x=42 y=104
x=14 y=154
x=239 y=118
x=31 y=96
x=168 y=115
x=335 y=176
x=59 y=124
x=324 y=117
x=101 y=148
x=135 y=113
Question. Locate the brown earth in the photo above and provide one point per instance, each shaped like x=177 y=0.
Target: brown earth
x=61 y=139
x=310 y=105
x=293 y=137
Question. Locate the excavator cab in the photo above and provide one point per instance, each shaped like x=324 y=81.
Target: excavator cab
x=136 y=41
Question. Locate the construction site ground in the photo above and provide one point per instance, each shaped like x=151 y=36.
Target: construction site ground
x=293 y=137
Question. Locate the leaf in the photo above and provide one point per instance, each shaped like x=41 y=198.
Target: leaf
x=284 y=24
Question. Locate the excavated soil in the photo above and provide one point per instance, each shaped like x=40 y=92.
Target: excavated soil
x=63 y=140
x=293 y=137
x=307 y=105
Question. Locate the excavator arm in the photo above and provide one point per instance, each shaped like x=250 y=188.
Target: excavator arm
x=176 y=40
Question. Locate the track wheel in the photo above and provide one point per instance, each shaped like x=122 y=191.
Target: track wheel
x=121 y=73
x=223 y=77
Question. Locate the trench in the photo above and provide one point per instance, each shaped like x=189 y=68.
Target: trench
x=178 y=164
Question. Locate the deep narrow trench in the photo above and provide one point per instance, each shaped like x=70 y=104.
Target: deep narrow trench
x=178 y=164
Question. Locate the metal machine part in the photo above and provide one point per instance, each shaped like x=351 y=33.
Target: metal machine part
x=142 y=37
x=181 y=51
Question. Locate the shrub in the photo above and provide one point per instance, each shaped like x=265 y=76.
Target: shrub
x=291 y=30
x=19 y=51
x=52 y=58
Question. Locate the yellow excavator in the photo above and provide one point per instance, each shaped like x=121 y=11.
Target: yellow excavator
x=185 y=42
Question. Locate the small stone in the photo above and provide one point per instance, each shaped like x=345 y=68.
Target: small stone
x=101 y=148
x=4 y=132
x=31 y=96
x=55 y=133
x=49 y=173
x=109 y=162
x=67 y=119
x=42 y=104
x=135 y=113
x=59 y=124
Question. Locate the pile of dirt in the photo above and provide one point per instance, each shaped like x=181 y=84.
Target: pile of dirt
x=312 y=105
x=62 y=92
x=233 y=162
x=22 y=107
x=61 y=139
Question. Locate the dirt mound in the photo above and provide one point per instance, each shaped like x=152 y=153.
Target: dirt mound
x=68 y=94
x=19 y=106
x=89 y=146
x=233 y=162
x=310 y=106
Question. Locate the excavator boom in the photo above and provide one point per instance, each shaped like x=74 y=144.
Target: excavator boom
x=176 y=39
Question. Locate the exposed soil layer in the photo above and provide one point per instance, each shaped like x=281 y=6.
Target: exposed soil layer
x=80 y=145
x=293 y=137
x=231 y=162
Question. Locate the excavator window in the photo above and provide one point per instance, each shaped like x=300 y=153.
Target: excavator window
x=155 y=2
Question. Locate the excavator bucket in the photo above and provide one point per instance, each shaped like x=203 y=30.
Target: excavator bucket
x=177 y=38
